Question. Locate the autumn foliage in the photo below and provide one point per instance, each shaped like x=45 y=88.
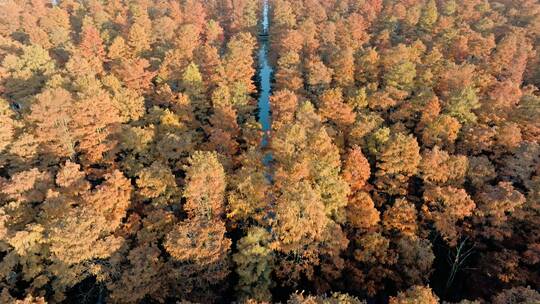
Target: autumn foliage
x=402 y=164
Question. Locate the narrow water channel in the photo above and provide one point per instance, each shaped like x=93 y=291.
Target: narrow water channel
x=265 y=78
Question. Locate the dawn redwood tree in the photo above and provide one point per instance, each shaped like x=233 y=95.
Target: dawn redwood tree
x=361 y=211
x=255 y=262
x=284 y=104
x=356 y=169
x=91 y=46
x=205 y=186
x=401 y=218
x=404 y=136
x=415 y=294
x=309 y=191
x=8 y=127
x=333 y=108
x=198 y=244
x=52 y=117
x=26 y=73
x=444 y=206
x=496 y=204
x=247 y=200
x=397 y=161
x=438 y=167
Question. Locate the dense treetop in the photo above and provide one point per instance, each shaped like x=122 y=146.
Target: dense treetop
x=405 y=152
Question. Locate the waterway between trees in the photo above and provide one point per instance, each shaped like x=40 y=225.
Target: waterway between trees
x=265 y=81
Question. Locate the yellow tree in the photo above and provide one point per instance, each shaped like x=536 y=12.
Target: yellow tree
x=397 y=161
x=198 y=245
x=416 y=294
x=205 y=186
x=254 y=261
x=52 y=117
x=310 y=198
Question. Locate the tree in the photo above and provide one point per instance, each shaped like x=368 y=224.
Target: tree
x=461 y=104
x=476 y=138
x=495 y=205
x=292 y=41
x=480 y=171
x=224 y=132
x=141 y=277
x=318 y=75
x=401 y=218
x=415 y=260
x=283 y=104
x=372 y=256
x=198 y=241
x=158 y=184
x=343 y=66
x=401 y=76
x=28 y=187
x=397 y=161
x=118 y=49
x=27 y=73
x=10 y=17
x=134 y=73
x=103 y=209
x=357 y=27
x=283 y=15
x=335 y=298
x=28 y=299
x=192 y=85
x=503 y=98
x=210 y=66
x=95 y=123
x=416 y=294
x=333 y=108
x=443 y=131
x=129 y=103
x=302 y=223
x=526 y=115
x=205 y=186
x=516 y=295
x=509 y=136
x=438 y=167
x=52 y=115
x=521 y=164
x=250 y=191
x=255 y=262
x=288 y=75
x=310 y=196
x=429 y=15
x=304 y=151
x=73 y=229
x=367 y=68
x=238 y=67
x=138 y=39
x=511 y=55
x=91 y=47
x=445 y=206
x=361 y=211
x=356 y=169
x=8 y=126
x=200 y=252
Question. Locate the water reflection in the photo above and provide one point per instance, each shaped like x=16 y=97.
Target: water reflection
x=265 y=76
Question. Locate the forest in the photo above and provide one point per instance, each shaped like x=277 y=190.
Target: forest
x=270 y=151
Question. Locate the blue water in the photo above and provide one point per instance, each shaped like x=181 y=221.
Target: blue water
x=265 y=77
